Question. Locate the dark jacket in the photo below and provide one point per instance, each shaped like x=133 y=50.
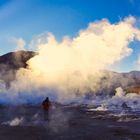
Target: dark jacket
x=46 y=104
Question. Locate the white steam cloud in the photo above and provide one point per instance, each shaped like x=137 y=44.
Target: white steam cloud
x=71 y=62
x=20 y=43
x=15 y=122
x=74 y=65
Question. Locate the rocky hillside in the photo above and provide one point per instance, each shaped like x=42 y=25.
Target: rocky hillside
x=130 y=82
x=133 y=89
x=15 y=60
x=11 y=62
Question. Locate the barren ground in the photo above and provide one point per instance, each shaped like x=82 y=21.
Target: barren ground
x=66 y=123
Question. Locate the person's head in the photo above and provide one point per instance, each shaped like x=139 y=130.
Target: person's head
x=47 y=98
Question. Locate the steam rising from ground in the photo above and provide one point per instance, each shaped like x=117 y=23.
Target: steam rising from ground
x=15 y=122
x=119 y=102
x=73 y=66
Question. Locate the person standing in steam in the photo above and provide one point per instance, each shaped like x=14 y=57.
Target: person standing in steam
x=46 y=104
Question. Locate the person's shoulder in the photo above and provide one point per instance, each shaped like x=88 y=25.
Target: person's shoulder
x=43 y=102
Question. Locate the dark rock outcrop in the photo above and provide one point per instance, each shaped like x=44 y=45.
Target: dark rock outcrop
x=11 y=62
x=15 y=60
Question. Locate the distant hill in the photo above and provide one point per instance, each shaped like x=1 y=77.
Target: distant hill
x=130 y=82
x=11 y=62
x=133 y=89
x=15 y=60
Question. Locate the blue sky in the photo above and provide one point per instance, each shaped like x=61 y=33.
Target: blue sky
x=28 y=18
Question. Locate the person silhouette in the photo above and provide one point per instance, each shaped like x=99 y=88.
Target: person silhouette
x=46 y=107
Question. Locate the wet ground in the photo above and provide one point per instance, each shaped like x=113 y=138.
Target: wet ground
x=67 y=123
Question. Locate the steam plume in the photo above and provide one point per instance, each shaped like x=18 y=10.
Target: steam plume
x=70 y=63
x=74 y=65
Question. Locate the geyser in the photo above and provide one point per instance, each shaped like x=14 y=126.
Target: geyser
x=68 y=69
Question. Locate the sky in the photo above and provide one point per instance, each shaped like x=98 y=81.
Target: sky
x=24 y=19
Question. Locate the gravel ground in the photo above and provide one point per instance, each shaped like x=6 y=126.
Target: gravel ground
x=66 y=123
